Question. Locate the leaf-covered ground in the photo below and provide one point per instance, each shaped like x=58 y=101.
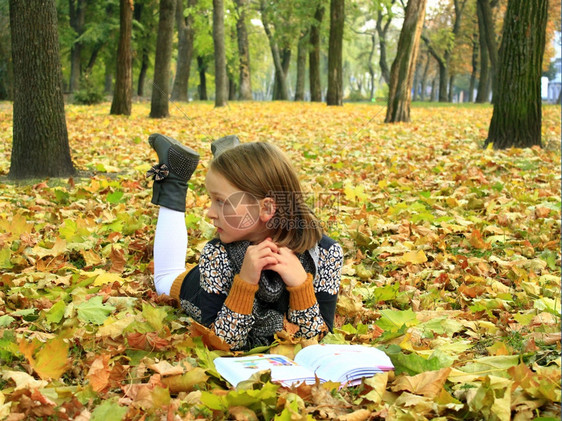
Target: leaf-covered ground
x=452 y=266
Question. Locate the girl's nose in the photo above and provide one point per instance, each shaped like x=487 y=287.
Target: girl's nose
x=211 y=213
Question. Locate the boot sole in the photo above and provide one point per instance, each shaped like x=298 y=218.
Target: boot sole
x=177 y=146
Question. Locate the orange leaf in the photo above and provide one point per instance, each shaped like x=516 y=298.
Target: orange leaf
x=210 y=339
x=98 y=375
x=477 y=241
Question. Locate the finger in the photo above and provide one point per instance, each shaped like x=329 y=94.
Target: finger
x=270 y=244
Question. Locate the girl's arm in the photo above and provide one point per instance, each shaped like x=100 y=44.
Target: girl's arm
x=312 y=305
x=226 y=300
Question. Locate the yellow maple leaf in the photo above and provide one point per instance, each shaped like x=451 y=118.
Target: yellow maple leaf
x=414 y=257
x=52 y=359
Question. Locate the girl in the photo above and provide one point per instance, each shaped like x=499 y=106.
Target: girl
x=270 y=259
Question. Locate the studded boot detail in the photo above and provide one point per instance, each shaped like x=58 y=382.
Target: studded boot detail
x=176 y=164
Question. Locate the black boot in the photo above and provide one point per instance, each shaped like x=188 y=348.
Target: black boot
x=176 y=164
x=224 y=143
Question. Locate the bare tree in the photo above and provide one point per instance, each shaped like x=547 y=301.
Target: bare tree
x=161 y=89
x=243 y=52
x=403 y=67
x=122 y=95
x=314 y=55
x=185 y=51
x=40 y=138
x=516 y=120
x=221 y=87
x=334 y=95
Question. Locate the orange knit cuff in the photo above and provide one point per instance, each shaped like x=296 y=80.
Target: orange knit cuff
x=176 y=285
x=302 y=297
x=241 y=296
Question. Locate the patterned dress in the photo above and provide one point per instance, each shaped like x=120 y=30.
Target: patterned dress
x=217 y=297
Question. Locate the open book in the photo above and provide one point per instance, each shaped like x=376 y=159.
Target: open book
x=346 y=364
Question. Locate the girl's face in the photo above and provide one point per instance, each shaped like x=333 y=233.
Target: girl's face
x=236 y=214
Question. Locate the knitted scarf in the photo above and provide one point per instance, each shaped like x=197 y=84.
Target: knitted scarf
x=268 y=316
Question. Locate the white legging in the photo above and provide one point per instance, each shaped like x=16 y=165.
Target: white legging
x=170 y=247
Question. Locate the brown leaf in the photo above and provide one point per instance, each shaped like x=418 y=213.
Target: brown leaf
x=209 y=337
x=428 y=384
x=118 y=261
x=99 y=372
x=164 y=368
x=359 y=415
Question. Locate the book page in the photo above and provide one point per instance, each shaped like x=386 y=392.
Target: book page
x=344 y=363
x=283 y=369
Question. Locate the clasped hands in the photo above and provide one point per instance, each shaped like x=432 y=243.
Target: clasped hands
x=269 y=256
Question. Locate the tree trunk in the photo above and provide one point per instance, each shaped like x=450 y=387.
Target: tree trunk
x=231 y=88
x=93 y=57
x=301 y=66
x=161 y=85
x=443 y=82
x=334 y=95
x=314 y=56
x=122 y=96
x=382 y=31
x=451 y=91
x=143 y=53
x=6 y=72
x=221 y=87
x=516 y=119
x=403 y=67
x=243 y=52
x=76 y=9
x=185 y=51
x=472 y=83
x=423 y=82
x=434 y=90
x=484 y=78
x=40 y=138
x=372 y=69
x=202 y=69
x=416 y=81
x=489 y=35
x=142 y=74
x=108 y=76
x=280 y=87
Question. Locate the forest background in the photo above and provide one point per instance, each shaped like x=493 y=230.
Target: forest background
x=453 y=57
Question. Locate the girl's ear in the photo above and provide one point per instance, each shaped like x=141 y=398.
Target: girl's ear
x=267 y=209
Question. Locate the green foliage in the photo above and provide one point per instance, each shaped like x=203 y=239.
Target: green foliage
x=89 y=92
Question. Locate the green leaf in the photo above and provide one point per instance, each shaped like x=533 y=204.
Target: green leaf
x=488 y=366
x=414 y=364
x=8 y=345
x=393 y=320
x=56 y=312
x=94 y=311
x=6 y=320
x=114 y=197
x=154 y=315
x=109 y=410
x=5 y=258
x=387 y=292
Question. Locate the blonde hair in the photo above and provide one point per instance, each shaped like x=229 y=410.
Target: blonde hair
x=262 y=170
